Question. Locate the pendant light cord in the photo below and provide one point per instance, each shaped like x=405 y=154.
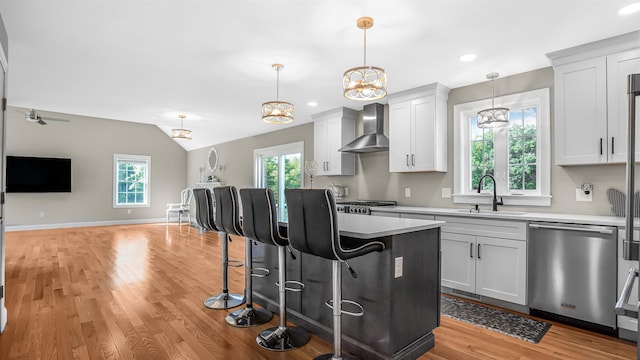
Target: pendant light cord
x=365 y=47
x=277 y=83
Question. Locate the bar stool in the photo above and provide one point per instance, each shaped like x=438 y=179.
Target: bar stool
x=224 y=300
x=313 y=229
x=228 y=218
x=260 y=222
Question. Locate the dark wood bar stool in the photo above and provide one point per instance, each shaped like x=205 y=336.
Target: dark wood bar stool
x=224 y=300
x=228 y=218
x=260 y=222
x=313 y=229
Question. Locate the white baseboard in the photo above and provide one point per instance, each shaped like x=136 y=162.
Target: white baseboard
x=82 y=224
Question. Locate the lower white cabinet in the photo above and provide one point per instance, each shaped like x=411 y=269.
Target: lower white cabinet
x=485 y=257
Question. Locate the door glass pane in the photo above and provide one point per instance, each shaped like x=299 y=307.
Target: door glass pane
x=270 y=175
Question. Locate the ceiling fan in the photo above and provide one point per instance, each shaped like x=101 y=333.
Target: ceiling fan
x=33 y=116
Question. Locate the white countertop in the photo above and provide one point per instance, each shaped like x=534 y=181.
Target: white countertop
x=508 y=215
x=370 y=227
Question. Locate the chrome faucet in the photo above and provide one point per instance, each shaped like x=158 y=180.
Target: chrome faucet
x=495 y=198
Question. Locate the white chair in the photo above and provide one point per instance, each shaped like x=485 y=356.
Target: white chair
x=184 y=207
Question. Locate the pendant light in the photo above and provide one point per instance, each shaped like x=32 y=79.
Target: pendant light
x=277 y=112
x=493 y=117
x=182 y=133
x=365 y=82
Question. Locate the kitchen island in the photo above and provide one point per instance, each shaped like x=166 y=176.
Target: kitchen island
x=399 y=287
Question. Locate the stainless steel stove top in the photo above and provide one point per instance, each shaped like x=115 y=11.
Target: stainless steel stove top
x=361 y=206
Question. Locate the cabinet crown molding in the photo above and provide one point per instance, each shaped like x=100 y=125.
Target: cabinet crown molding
x=594 y=49
x=441 y=91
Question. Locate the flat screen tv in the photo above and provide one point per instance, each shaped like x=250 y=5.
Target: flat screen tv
x=27 y=174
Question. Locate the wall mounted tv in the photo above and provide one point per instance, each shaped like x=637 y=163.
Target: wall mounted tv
x=27 y=174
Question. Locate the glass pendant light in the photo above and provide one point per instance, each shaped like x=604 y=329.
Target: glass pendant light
x=365 y=82
x=277 y=112
x=493 y=117
x=182 y=133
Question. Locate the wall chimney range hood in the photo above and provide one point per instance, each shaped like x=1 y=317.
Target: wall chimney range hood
x=373 y=139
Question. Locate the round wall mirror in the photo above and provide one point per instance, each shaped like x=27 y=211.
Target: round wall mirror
x=212 y=159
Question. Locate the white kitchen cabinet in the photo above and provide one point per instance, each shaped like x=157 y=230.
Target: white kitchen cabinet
x=591 y=100
x=485 y=257
x=332 y=130
x=418 y=129
x=618 y=67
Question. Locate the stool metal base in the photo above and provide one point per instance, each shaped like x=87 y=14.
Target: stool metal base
x=282 y=338
x=247 y=317
x=224 y=301
x=330 y=357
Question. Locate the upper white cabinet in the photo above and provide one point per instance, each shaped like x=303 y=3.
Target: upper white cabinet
x=331 y=130
x=591 y=100
x=418 y=129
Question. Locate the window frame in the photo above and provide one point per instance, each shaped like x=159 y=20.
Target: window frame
x=147 y=180
x=539 y=98
x=278 y=150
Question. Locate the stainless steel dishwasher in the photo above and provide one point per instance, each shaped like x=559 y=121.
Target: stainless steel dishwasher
x=572 y=274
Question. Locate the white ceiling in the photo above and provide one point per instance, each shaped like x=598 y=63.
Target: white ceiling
x=150 y=60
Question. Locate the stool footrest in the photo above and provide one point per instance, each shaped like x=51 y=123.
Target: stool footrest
x=300 y=285
x=235 y=263
x=329 y=303
x=260 y=272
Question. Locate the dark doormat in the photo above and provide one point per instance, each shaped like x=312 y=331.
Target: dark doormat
x=518 y=326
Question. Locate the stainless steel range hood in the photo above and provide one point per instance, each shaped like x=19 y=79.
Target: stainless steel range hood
x=373 y=138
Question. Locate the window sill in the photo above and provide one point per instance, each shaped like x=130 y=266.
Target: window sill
x=509 y=200
x=129 y=206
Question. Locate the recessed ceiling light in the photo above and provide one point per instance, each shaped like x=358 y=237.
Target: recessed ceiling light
x=468 y=57
x=629 y=9
x=312 y=103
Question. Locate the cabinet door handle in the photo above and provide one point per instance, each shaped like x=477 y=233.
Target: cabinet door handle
x=612 y=144
x=407 y=159
x=600 y=146
x=327 y=166
x=471 y=250
x=478 y=251
x=413 y=159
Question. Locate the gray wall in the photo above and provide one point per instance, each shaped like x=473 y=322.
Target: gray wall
x=91 y=143
x=373 y=180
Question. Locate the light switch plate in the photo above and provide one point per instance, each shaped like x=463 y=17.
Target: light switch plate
x=446 y=193
x=398 y=267
x=407 y=192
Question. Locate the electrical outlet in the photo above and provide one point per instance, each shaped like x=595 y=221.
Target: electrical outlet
x=581 y=196
x=446 y=193
x=129 y=211
x=42 y=214
x=407 y=192
x=398 y=267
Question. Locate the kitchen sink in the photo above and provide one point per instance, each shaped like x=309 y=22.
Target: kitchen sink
x=489 y=212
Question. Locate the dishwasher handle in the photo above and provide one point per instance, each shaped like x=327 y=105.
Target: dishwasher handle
x=601 y=230
x=622 y=306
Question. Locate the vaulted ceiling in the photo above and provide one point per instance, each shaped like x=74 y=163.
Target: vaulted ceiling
x=149 y=61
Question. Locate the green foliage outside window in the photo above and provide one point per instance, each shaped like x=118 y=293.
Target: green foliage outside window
x=292 y=176
x=522 y=150
x=131 y=183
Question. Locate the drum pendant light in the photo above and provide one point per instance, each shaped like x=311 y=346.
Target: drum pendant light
x=493 y=117
x=365 y=82
x=182 y=133
x=277 y=112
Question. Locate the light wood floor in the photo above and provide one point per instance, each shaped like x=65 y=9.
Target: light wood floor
x=136 y=292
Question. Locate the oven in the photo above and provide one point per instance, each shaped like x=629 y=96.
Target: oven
x=362 y=207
